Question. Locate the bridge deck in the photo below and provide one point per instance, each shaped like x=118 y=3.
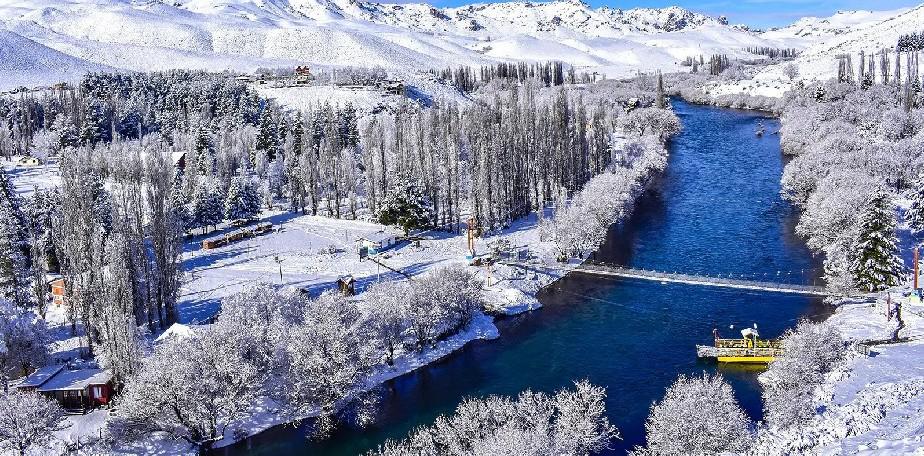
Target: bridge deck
x=725 y=282
x=621 y=271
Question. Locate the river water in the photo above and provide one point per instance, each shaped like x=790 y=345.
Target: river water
x=716 y=210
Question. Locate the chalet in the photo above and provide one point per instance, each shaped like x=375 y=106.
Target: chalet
x=56 y=287
x=346 y=285
x=77 y=390
x=28 y=161
x=394 y=88
x=376 y=241
x=303 y=75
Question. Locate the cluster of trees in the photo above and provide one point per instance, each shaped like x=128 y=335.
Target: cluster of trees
x=311 y=355
x=499 y=158
x=910 y=42
x=22 y=341
x=774 y=53
x=715 y=66
x=700 y=415
x=27 y=421
x=568 y=423
x=582 y=224
x=889 y=73
x=853 y=149
x=468 y=79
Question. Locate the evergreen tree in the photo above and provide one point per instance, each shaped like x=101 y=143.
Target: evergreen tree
x=267 y=137
x=208 y=206
x=95 y=127
x=14 y=260
x=243 y=201
x=877 y=265
x=915 y=214
x=205 y=153
x=406 y=207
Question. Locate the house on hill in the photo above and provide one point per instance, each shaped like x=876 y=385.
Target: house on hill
x=77 y=390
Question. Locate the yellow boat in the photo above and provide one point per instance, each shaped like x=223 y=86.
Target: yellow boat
x=749 y=349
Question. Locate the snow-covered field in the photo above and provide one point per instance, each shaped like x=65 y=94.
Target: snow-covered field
x=873 y=404
x=46 y=41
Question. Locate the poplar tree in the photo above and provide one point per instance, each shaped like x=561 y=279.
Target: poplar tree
x=14 y=260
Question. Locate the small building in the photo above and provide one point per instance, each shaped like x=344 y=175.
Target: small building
x=77 y=390
x=56 y=287
x=347 y=285
x=376 y=241
x=394 y=88
x=28 y=161
x=303 y=75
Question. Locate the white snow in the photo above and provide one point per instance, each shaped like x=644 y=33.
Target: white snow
x=58 y=40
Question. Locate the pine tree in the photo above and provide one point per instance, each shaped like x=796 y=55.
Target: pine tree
x=243 y=201
x=267 y=137
x=915 y=214
x=14 y=260
x=406 y=207
x=205 y=153
x=208 y=206
x=877 y=265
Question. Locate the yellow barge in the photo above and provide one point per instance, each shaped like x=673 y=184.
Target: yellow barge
x=749 y=349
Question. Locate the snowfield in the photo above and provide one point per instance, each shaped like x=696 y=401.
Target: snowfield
x=51 y=41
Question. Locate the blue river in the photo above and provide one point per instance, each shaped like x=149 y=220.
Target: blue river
x=716 y=210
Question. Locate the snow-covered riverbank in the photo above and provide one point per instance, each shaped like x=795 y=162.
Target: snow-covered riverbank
x=871 y=403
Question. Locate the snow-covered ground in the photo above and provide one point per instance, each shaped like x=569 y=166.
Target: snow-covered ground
x=823 y=40
x=872 y=404
x=46 y=41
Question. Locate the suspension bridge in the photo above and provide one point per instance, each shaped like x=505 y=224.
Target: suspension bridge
x=611 y=270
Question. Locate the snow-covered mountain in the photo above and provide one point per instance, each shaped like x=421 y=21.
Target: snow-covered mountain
x=818 y=61
x=810 y=30
x=403 y=38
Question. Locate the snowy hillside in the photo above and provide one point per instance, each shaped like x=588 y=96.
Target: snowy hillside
x=862 y=31
x=811 y=30
x=245 y=34
x=23 y=61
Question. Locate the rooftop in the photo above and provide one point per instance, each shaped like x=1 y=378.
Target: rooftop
x=40 y=376
x=76 y=379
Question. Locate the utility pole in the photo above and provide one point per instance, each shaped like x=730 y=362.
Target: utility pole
x=915 y=267
x=279 y=262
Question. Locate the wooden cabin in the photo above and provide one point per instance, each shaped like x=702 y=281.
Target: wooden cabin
x=77 y=390
x=56 y=288
x=346 y=285
x=226 y=238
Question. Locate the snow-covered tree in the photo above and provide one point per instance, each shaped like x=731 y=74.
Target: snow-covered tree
x=405 y=207
x=22 y=341
x=698 y=415
x=915 y=214
x=876 y=264
x=811 y=351
x=27 y=421
x=14 y=248
x=389 y=316
x=326 y=355
x=243 y=201
x=208 y=205
x=192 y=388
x=568 y=423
